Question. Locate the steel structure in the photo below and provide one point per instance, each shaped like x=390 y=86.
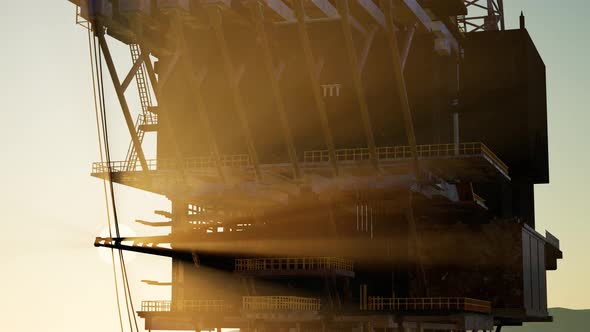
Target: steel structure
x=484 y=15
x=345 y=165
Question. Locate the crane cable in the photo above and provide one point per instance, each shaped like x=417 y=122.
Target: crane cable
x=108 y=161
x=100 y=113
x=126 y=287
x=92 y=53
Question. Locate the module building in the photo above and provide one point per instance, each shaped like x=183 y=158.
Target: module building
x=335 y=165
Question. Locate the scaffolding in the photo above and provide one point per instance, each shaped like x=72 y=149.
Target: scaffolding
x=484 y=15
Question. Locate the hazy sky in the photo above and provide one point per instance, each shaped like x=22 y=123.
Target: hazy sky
x=54 y=280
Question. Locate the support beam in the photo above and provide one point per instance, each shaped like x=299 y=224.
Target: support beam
x=162 y=117
x=315 y=84
x=258 y=15
x=122 y=100
x=204 y=117
x=369 y=38
x=408 y=45
x=440 y=30
x=151 y=249
x=412 y=228
x=421 y=16
x=326 y=7
x=163 y=79
x=357 y=80
x=400 y=82
x=154 y=223
x=151 y=72
x=216 y=20
x=281 y=9
x=156 y=283
x=501 y=10
x=132 y=72
x=371 y=8
x=196 y=82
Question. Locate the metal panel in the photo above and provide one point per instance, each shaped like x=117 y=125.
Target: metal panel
x=526 y=265
x=542 y=280
x=534 y=275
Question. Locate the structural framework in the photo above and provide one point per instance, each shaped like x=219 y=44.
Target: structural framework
x=334 y=165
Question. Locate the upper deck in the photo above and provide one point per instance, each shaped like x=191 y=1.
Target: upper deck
x=234 y=175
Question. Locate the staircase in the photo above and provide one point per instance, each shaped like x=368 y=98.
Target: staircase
x=146 y=117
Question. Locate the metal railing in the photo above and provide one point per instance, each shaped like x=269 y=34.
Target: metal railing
x=293 y=264
x=156 y=306
x=395 y=152
x=280 y=303
x=187 y=306
x=405 y=152
x=167 y=164
x=389 y=153
x=428 y=303
x=81 y=21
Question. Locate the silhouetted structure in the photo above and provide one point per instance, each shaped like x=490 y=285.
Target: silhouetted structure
x=336 y=165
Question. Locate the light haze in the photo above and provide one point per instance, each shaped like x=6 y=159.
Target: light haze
x=54 y=280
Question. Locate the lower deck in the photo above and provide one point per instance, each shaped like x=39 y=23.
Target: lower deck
x=301 y=314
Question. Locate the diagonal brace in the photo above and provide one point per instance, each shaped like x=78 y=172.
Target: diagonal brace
x=122 y=100
x=132 y=72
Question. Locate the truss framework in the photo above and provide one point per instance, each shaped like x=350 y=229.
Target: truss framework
x=483 y=15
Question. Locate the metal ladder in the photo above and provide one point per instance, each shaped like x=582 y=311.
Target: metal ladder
x=146 y=117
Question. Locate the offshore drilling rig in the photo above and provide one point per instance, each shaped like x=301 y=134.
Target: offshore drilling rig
x=334 y=165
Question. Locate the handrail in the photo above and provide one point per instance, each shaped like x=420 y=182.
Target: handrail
x=280 y=303
x=249 y=303
x=428 y=303
x=283 y=264
x=156 y=306
x=186 y=306
x=81 y=21
x=388 y=153
x=166 y=164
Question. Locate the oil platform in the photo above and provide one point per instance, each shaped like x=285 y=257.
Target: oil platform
x=334 y=165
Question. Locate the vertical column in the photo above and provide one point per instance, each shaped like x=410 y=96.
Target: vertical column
x=501 y=10
x=179 y=221
x=344 y=11
x=456 y=131
x=196 y=82
x=216 y=21
x=414 y=244
x=315 y=84
x=298 y=327
x=257 y=13
x=400 y=81
x=420 y=327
